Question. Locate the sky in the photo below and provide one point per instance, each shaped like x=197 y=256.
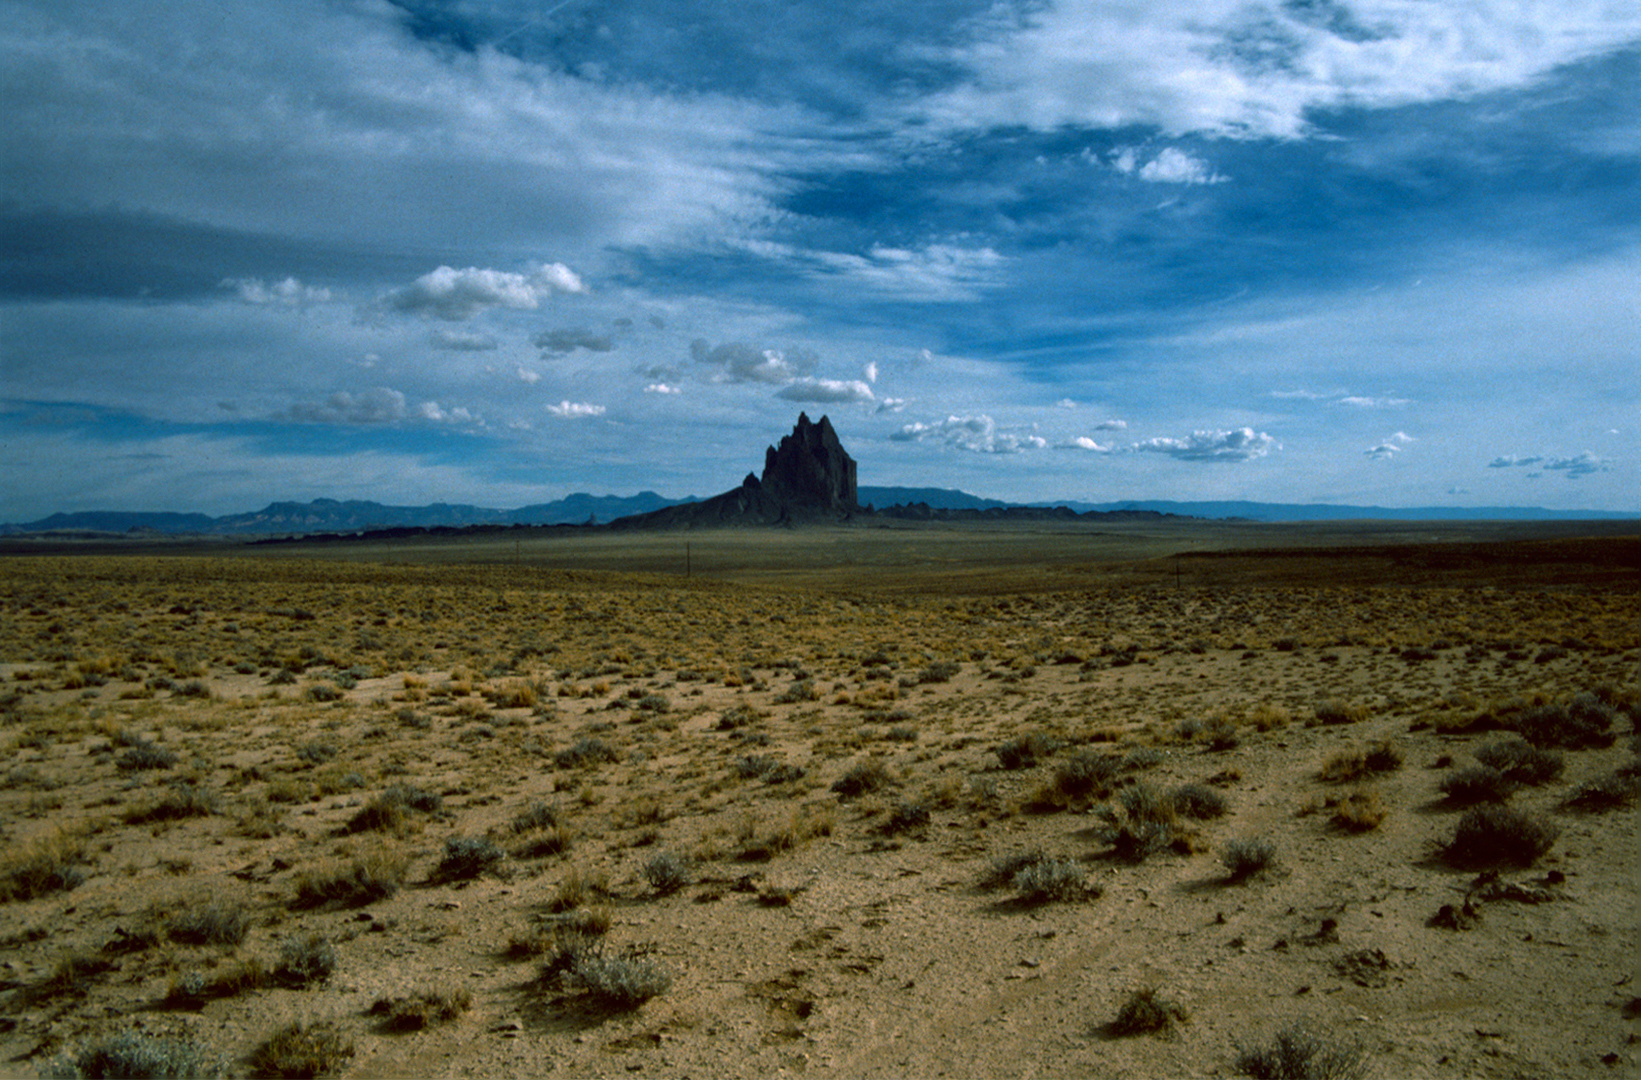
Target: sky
x=1373 y=252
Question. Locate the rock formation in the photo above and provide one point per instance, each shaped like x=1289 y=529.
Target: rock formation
x=808 y=477
x=810 y=468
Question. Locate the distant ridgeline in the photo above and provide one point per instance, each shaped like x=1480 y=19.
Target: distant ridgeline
x=808 y=477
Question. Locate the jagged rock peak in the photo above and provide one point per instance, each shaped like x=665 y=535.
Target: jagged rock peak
x=810 y=468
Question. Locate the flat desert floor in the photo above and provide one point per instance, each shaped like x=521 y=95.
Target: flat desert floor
x=1013 y=801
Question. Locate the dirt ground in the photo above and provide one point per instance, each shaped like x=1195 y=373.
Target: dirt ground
x=613 y=823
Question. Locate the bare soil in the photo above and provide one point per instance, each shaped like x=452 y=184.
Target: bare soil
x=818 y=931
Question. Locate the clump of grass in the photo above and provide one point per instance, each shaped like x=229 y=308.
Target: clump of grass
x=1147 y=1012
x=1144 y=822
x=1360 y=811
x=574 y=889
x=1245 y=857
x=1499 y=836
x=466 y=857
x=304 y=959
x=375 y=874
x=423 y=1009
x=862 y=778
x=300 y=1050
x=1024 y=751
x=140 y=1053
x=801 y=690
x=42 y=867
x=214 y=922
x=666 y=872
x=1298 y=1053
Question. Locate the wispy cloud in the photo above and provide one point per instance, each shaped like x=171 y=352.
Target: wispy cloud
x=979 y=434
x=575 y=410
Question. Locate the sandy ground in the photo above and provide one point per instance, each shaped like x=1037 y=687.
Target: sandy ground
x=813 y=931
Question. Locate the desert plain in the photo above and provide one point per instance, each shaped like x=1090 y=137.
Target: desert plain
x=1159 y=799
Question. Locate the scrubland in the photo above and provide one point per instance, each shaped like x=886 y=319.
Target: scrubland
x=1339 y=814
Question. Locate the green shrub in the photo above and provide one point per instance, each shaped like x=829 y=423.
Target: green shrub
x=466 y=857
x=1245 y=857
x=861 y=778
x=181 y=800
x=904 y=816
x=1198 y=801
x=1520 y=762
x=1582 y=723
x=304 y=959
x=390 y=811
x=616 y=982
x=1297 y=1053
x=585 y=751
x=1500 y=836
x=1024 y=751
x=365 y=879
x=143 y=754
x=666 y=872
x=1053 y=879
x=1476 y=784
x=139 y=1054
x=1147 y=1011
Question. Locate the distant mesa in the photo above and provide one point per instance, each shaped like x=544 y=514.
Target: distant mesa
x=807 y=478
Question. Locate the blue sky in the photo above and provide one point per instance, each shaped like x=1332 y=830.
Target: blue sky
x=494 y=251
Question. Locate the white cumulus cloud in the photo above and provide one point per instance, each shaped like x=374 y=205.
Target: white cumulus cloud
x=979 y=434
x=448 y=293
x=739 y=362
x=287 y=293
x=575 y=410
x=1238 y=444
x=827 y=391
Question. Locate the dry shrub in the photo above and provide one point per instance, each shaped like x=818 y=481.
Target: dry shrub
x=1298 y=1053
x=372 y=875
x=1335 y=711
x=1354 y=764
x=41 y=867
x=422 y=1009
x=1360 y=811
x=302 y=1051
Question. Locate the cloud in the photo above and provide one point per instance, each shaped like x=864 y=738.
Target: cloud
x=1240 y=444
x=526 y=375
x=870 y=371
x=890 y=404
x=1170 y=166
x=827 y=391
x=738 y=362
x=448 y=293
x=378 y=406
x=1111 y=425
x=287 y=293
x=1390 y=447
x=1230 y=68
x=567 y=341
x=1512 y=462
x=934 y=273
x=662 y=388
x=1083 y=442
x=979 y=434
x=1584 y=464
x=1373 y=402
x=433 y=412
x=575 y=410
x=461 y=340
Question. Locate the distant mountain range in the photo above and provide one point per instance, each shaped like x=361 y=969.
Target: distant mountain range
x=332 y=516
